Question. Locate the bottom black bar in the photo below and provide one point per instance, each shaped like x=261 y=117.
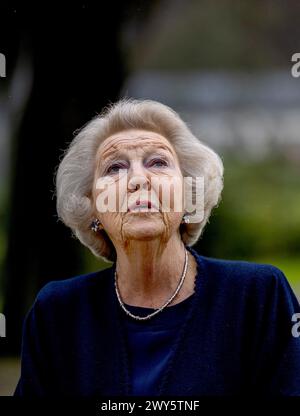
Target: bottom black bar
x=144 y=405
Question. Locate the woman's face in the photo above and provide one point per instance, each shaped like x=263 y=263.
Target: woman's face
x=138 y=166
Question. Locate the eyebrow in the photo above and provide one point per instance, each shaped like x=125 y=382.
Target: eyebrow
x=121 y=154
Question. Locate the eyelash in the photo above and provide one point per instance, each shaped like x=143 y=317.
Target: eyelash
x=160 y=161
x=109 y=169
x=112 y=166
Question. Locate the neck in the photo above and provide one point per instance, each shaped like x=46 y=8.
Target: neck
x=149 y=271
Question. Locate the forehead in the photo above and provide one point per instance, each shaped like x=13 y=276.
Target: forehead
x=131 y=140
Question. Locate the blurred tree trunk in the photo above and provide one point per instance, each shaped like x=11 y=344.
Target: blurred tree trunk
x=78 y=68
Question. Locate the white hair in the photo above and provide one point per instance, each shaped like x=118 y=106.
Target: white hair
x=75 y=173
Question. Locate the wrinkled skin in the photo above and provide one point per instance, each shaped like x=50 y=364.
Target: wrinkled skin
x=150 y=252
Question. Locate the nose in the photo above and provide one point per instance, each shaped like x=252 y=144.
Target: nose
x=138 y=178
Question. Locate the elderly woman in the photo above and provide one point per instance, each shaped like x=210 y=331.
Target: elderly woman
x=163 y=319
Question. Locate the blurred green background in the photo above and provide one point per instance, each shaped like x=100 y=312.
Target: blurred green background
x=224 y=66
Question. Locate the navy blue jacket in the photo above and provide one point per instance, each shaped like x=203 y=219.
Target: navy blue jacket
x=236 y=338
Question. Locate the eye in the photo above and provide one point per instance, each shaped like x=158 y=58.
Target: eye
x=114 y=168
x=157 y=162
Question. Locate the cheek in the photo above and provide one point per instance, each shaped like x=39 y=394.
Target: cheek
x=109 y=197
x=170 y=193
x=172 y=220
x=177 y=195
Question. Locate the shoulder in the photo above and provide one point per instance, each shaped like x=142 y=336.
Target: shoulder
x=239 y=285
x=74 y=289
x=237 y=270
x=241 y=269
x=61 y=305
x=244 y=277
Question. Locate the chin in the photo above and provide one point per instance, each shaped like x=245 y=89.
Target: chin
x=144 y=232
x=145 y=237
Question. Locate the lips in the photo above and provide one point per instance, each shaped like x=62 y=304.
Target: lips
x=145 y=204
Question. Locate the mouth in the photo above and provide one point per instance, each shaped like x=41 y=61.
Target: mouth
x=143 y=206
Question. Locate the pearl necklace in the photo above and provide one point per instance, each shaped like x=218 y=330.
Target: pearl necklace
x=143 y=318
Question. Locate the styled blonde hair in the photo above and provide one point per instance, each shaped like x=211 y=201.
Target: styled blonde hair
x=75 y=173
